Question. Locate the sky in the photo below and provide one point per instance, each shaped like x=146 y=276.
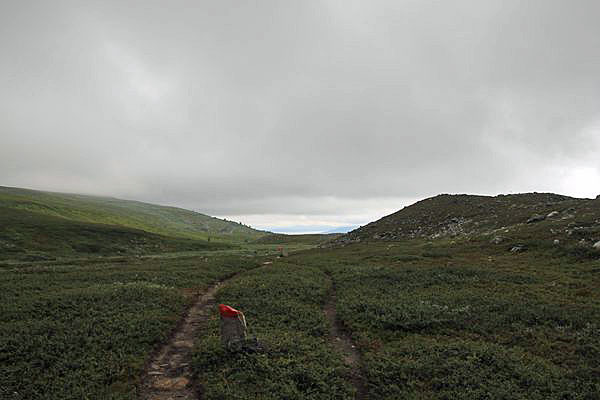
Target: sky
x=300 y=115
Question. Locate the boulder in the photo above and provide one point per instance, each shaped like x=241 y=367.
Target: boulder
x=597 y=245
x=556 y=242
x=518 y=248
x=496 y=240
x=536 y=218
x=552 y=214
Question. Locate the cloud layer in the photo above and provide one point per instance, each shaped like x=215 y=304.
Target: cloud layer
x=300 y=112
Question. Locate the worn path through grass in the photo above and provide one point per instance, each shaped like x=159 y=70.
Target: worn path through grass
x=84 y=330
x=283 y=304
x=168 y=374
x=467 y=320
x=343 y=343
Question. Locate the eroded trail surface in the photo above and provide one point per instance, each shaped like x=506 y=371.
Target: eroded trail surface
x=168 y=376
x=343 y=344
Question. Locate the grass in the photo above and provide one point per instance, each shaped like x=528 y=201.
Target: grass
x=451 y=318
x=471 y=322
x=30 y=236
x=162 y=220
x=459 y=319
x=283 y=306
x=306 y=239
x=84 y=330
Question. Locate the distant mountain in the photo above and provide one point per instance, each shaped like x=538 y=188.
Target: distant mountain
x=342 y=229
x=514 y=218
x=152 y=218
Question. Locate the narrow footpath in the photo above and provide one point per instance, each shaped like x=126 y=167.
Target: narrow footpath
x=168 y=375
x=343 y=344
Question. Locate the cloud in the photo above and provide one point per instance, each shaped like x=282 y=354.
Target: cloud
x=288 y=109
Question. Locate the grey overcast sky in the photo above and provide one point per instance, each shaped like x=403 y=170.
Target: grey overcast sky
x=287 y=114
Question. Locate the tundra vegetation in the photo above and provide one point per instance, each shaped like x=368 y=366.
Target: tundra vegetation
x=84 y=329
x=436 y=303
x=469 y=322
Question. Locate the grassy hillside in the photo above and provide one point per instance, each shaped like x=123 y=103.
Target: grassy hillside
x=168 y=221
x=31 y=236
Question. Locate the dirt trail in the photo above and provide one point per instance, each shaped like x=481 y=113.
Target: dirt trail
x=343 y=343
x=168 y=375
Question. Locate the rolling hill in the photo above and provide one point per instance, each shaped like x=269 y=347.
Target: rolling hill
x=29 y=236
x=163 y=220
x=36 y=225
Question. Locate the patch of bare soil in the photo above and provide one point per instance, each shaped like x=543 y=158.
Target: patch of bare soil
x=168 y=375
x=343 y=344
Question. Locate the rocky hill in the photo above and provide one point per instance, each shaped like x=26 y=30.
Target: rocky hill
x=516 y=216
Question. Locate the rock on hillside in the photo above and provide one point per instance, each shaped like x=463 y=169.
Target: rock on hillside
x=465 y=215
